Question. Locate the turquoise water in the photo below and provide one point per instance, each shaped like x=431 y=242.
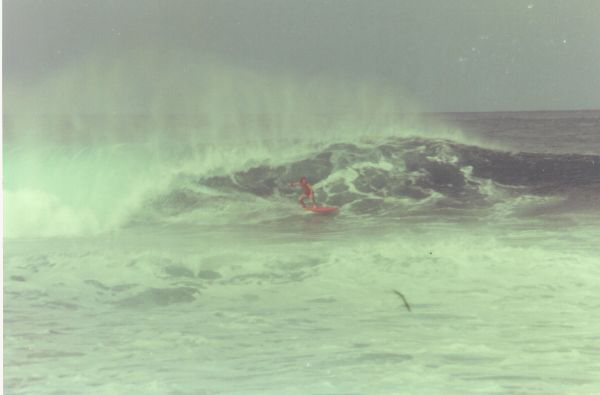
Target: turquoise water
x=167 y=254
x=305 y=308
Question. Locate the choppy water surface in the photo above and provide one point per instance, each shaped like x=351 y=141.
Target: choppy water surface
x=138 y=272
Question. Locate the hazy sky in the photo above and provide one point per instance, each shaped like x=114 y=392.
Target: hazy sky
x=452 y=55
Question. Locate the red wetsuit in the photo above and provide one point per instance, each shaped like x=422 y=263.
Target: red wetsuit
x=308 y=192
x=307 y=189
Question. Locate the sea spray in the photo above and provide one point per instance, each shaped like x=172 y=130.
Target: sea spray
x=88 y=143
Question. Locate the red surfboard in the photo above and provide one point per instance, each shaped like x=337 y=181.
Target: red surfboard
x=322 y=210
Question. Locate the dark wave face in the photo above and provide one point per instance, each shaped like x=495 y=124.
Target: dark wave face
x=401 y=176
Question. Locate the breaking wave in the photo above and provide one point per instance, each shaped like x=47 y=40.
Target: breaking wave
x=394 y=177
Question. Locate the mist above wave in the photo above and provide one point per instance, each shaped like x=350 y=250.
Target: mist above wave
x=93 y=140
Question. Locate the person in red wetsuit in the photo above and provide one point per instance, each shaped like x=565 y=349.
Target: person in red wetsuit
x=308 y=192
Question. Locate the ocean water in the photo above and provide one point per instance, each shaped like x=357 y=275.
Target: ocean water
x=141 y=261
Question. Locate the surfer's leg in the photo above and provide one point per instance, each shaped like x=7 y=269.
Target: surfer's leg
x=312 y=196
x=301 y=200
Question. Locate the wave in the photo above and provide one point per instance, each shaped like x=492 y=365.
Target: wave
x=100 y=189
x=396 y=176
x=88 y=144
x=215 y=143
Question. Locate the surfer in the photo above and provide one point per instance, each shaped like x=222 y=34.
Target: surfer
x=308 y=192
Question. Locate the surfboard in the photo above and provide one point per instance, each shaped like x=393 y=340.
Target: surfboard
x=321 y=210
